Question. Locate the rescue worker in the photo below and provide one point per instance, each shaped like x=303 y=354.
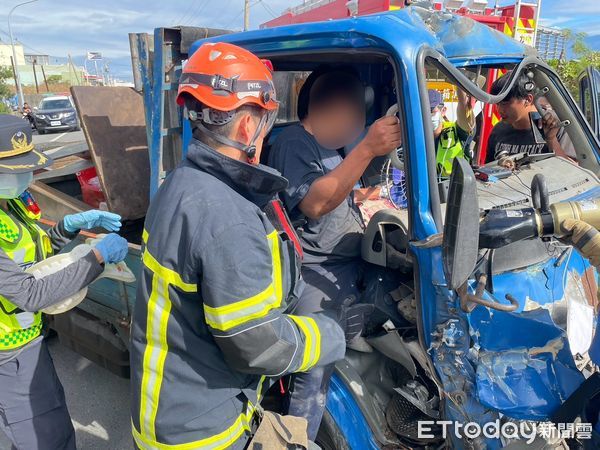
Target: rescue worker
x=33 y=411
x=586 y=239
x=320 y=196
x=452 y=139
x=436 y=103
x=209 y=324
x=522 y=128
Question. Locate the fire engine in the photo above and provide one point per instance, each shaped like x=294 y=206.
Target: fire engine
x=518 y=20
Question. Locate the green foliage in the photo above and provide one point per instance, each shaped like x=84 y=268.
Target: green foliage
x=54 y=79
x=5 y=74
x=4 y=109
x=583 y=57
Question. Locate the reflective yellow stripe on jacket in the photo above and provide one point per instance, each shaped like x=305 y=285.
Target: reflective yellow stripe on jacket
x=234 y=314
x=219 y=441
x=312 y=335
x=159 y=308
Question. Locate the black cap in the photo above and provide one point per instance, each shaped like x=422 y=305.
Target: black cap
x=17 y=153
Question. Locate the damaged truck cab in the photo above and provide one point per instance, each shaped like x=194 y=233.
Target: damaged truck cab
x=460 y=333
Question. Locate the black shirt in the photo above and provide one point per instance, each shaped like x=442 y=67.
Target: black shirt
x=335 y=237
x=505 y=140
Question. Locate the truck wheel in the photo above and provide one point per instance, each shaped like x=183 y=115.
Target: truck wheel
x=330 y=437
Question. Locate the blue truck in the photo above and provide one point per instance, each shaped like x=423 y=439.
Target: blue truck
x=462 y=334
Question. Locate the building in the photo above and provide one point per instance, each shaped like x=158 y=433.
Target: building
x=551 y=43
x=6 y=54
x=67 y=73
x=41 y=60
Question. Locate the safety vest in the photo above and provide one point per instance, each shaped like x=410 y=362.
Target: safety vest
x=449 y=147
x=25 y=243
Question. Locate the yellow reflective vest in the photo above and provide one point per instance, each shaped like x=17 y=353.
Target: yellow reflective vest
x=25 y=243
x=449 y=147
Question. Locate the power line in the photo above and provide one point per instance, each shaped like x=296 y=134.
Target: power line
x=197 y=11
x=240 y=14
x=194 y=12
x=25 y=45
x=193 y=4
x=266 y=6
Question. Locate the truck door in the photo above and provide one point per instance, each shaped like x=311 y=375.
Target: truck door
x=589 y=97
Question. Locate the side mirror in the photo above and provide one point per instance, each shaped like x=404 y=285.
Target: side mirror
x=461 y=229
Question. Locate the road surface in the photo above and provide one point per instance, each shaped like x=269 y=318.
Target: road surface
x=58 y=137
x=98 y=402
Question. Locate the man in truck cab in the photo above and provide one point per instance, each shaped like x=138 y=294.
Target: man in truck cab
x=522 y=128
x=33 y=411
x=209 y=326
x=331 y=109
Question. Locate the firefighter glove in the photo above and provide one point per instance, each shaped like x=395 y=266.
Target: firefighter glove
x=356 y=317
x=584 y=238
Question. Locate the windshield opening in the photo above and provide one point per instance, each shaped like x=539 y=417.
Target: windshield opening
x=532 y=127
x=535 y=117
x=55 y=104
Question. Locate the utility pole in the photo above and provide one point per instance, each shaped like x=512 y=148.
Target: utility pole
x=45 y=79
x=37 y=87
x=12 y=63
x=74 y=70
x=246 y=15
x=15 y=62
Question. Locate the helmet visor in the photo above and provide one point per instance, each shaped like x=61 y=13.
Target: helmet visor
x=271 y=119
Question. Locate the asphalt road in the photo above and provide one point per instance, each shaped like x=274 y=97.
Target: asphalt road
x=98 y=402
x=56 y=138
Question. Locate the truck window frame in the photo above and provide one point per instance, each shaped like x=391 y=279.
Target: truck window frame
x=392 y=60
x=567 y=107
x=589 y=97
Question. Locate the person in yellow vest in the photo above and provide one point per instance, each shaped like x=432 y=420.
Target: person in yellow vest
x=33 y=412
x=452 y=139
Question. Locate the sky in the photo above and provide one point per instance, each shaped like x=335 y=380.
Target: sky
x=62 y=27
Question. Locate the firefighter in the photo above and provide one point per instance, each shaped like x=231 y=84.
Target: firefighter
x=33 y=411
x=586 y=239
x=209 y=328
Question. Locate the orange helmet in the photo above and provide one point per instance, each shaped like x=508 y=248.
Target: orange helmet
x=224 y=77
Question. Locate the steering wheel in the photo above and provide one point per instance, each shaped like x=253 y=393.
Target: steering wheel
x=396 y=156
x=392 y=173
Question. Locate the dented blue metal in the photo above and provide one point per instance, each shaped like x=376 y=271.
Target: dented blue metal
x=524 y=365
x=488 y=363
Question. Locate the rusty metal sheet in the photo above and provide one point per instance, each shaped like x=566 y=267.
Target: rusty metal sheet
x=189 y=35
x=112 y=119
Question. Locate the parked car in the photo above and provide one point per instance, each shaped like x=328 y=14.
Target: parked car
x=56 y=114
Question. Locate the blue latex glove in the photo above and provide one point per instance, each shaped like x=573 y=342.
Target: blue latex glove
x=92 y=219
x=113 y=248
